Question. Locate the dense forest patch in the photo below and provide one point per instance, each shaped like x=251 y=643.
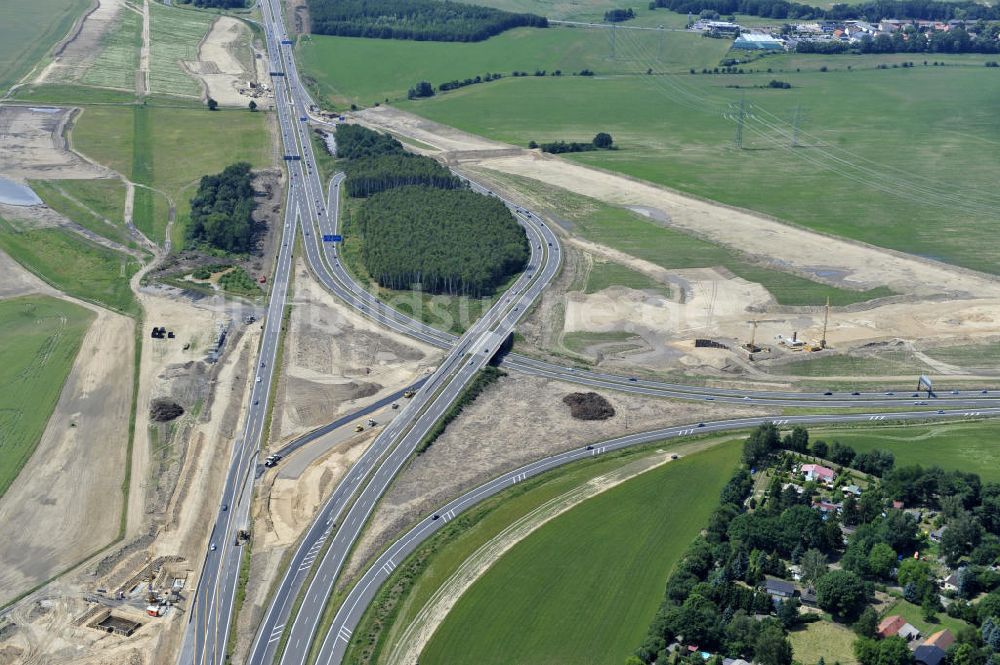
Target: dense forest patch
x=370 y=175
x=448 y=241
x=422 y=20
x=222 y=210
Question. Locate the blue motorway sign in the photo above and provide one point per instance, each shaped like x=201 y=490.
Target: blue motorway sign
x=332 y=238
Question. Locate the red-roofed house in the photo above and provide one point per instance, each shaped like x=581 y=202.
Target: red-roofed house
x=941 y=639
x=818 y=472
x=890 y=625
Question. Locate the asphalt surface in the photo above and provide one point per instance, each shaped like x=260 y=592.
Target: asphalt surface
x=361 y=594
x=354 y=498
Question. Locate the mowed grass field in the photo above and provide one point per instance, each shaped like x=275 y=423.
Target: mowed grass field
x=175 y=34
x=582 y=589
x=74 y=265
x=930 y=131
x=169 y=150
x=29 y=28
x=966 y=446
x=646 y=239
x=96 y=205
x=39 y=340
x=365 y=71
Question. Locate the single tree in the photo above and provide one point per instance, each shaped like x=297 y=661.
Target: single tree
x=603 y=140
x=841 y=593
x=252 y=106
x=212 y=104
x=813 y=566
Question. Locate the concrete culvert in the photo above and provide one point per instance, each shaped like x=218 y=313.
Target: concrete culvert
x=589 y=406
x=163 y=410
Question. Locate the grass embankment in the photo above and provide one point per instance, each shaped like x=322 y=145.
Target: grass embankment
x=954 y=446
x=611 y=554
x=605 y=273
x=168 y=150
x=39 y=340
x=974 y=356
x=682 y=140
x=365 y=71
x=886 y=363
x=433 y=563
x=483 y=380
x=118 y=61
x=646 y=239
x=29 y=29
x=578 y=341
x=96 y=205
x=74 y=265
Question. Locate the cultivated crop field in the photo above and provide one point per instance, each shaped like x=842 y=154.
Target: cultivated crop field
x=41 y=337
x=175 y=35
x=118 y=61
x=968 y=446
x=28 y=29
x=73 y=265
x=611 y=555
x=366 y=71
x=164 y=149
x=917 y=176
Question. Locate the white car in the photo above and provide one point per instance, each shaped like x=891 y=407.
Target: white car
x=258 y=379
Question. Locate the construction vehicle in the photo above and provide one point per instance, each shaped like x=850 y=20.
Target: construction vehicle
x=408 y=394
x=242 y=536
x=395 y=406
x=371 y=422
x=154 y=610
x=359 y=428
x=819 y=346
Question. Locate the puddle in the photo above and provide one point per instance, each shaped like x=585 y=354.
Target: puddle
x=16 y=194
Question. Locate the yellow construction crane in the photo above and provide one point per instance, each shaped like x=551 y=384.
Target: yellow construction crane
x=826 y=321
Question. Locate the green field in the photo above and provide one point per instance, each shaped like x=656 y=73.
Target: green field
x=646 y=239
x=605 y=273
x=967 y=446
x=29 y=29
x=365 y=71
x=973 y=356
x=581 y=589
x=174 y=36
x=929 y=135
x=39 y=339
x=74 y=265
x=914 y=615
x=97 y=205
x=615 y=341
x=890 y=363
x=169 y=150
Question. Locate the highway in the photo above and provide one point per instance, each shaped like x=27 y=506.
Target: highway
x=343 y=516
x=355 y=497
x=361 y=594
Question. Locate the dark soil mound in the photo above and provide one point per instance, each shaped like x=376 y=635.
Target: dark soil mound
x=589 y=406
x=163 y=410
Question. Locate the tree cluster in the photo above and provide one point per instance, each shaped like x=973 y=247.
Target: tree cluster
x=456 y=84
x=456 y=242
x=422 y=20
x=602 y=141
x=420 y=90
x=618 y=15
x=370 y=175
x=870 y=10
x=217 y=4
x=222 y=211
x=957 y=40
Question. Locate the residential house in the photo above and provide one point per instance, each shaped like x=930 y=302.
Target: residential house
x=897 y=504
x=826 y=507
x=851 y=489
x=941 y=639
x=818 y=472
x=929 y=655
x=950 y=583
x=936 y=535
x=890 y=625
x=779 y=589
x=909 y=632
x=808 y=597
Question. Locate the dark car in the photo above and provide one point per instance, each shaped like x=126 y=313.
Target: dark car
x=436 y=517
x=855 y=393
x=828 y=393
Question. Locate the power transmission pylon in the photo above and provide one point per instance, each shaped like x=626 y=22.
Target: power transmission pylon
x=795 y=125
x=741 y=112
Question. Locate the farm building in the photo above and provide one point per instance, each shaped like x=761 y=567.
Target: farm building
x=758 y=41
